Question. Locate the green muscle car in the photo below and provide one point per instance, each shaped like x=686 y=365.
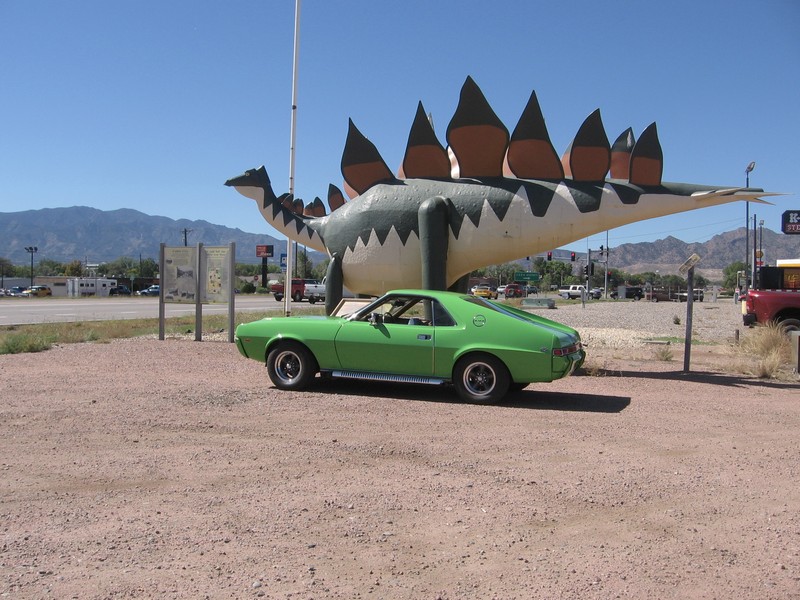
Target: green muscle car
x=483 y=348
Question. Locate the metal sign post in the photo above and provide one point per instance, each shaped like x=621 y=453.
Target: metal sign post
x=687 y=269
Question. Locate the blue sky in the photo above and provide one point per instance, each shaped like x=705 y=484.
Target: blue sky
x=152 y=105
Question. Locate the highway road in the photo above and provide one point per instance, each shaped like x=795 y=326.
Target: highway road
x=20 y=311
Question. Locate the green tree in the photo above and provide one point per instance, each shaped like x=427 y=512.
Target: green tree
x=49 y=266
x=729 y=277
x=148 y=268
x=73 y=269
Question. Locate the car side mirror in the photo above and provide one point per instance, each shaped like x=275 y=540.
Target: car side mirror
x=375 y=318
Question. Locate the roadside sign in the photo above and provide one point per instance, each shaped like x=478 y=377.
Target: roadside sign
x=690 y=262
x=283 y=262
x=264 y=251
x=525 y=276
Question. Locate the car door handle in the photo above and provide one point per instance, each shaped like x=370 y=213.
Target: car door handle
x=423 y=336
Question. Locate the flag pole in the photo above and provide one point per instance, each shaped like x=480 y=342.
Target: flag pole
x=287 y=282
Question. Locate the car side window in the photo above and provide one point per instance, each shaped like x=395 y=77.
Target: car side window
x=441 y=318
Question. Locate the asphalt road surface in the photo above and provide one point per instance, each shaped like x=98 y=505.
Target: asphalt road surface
x=20 y=311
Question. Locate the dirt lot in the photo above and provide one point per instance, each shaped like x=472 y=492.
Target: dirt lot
x=147 y=469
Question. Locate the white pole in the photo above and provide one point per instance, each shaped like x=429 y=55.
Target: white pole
x=287 y=282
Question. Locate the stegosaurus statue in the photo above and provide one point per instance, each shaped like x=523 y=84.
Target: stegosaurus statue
x=488 y=198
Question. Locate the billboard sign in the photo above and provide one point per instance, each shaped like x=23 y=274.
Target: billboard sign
x=790 y=222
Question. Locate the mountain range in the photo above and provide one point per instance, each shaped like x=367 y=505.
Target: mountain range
x=97 y=236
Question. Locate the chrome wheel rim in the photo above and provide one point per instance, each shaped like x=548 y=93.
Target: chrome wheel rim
x=479 y=379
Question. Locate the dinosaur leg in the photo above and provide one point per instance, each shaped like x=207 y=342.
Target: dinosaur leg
x=334 y=284
x=461 y=285
x=433 y=238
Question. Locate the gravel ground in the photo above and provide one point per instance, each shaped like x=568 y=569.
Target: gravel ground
x=147 y=469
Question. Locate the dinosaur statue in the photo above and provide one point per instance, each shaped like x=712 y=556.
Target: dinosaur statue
x=488 y=198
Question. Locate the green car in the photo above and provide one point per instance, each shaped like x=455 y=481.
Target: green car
x=483 y=348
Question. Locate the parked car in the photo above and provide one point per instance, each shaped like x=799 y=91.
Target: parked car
x=37 y=291
x=481 y=347
x=531 y=289
x=513 y=290
x=630 y=291
x=596 y=293
x=153 y=290
x=485 y=291
x=501 y=290
x=698 y=296
x=15 y=291
x=659 y=295
x=119 y=290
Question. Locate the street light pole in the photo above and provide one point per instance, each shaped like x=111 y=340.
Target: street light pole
x=761 y=241
x=747 y=172
x=33 y=250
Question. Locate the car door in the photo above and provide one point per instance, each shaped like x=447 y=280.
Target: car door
x=404 y=347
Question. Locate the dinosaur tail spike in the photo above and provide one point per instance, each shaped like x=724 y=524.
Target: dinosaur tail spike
x=425 y=157
x=531 y=154
x=476 y=135
x=287 y=201
x=298 y=207
x=621 y=154
x=335 y=197
x=588 y=157
x=647 y=159
x=362 y=164
x=318 y=208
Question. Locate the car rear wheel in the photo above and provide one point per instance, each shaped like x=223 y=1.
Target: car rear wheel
x=481 y=379
x=291 y=366
x=297 y=296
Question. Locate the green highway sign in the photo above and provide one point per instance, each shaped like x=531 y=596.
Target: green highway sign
x=525 y=276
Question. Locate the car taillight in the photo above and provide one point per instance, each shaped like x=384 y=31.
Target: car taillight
x=567 y=350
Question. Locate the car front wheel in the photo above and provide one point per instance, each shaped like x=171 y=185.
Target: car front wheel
x=291 y=366
x=481 y=379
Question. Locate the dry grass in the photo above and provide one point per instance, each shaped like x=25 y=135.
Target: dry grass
x=765 y=353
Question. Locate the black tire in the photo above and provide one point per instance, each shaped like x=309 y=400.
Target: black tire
x=291 y=366
x=481 y=378
x=790 y=325
x=312 y=299
x=297 y=296
x=278 y=297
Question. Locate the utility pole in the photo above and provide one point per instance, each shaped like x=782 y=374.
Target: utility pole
x=186 y=232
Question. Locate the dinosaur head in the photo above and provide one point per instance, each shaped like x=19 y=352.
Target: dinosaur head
x=254 y=184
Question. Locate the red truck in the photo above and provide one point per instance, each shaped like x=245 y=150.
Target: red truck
x=780 y=303
x=298 y=289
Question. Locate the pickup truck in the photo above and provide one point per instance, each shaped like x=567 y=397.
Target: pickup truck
x=780 y=306
x=314 y=292
x=572 y=292
x=298 y=289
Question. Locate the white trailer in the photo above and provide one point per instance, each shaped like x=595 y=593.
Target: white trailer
x=78 y=287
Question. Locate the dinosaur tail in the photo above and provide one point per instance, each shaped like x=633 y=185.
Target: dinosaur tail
x=284 y=213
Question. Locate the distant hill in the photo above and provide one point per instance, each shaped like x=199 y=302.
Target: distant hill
x=81 y=233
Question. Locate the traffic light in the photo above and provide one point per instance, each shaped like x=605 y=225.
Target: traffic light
x=549 y=256
x=572 y=256
x=586 y=270
x=591 y=269
x=601 y=249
